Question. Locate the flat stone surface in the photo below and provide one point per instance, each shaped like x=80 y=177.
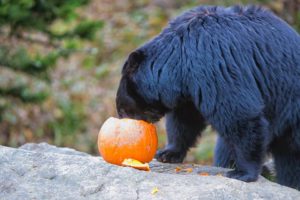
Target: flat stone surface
x=42 y=171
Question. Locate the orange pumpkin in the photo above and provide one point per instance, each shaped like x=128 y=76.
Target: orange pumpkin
x=120 y=139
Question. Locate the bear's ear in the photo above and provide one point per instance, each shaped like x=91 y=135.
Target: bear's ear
x=133 y=62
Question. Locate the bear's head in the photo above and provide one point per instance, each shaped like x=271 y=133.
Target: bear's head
x=155 y=77
x=136 y=98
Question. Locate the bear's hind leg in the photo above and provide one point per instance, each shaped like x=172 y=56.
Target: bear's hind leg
x=248 y=139
x=286 y=154
x=287 y=167
x=183 y=125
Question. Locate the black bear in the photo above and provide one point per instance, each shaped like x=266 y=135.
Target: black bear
x=236 y=68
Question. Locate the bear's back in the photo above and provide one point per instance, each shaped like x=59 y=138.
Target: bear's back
x=248 y=41
x=246 y=45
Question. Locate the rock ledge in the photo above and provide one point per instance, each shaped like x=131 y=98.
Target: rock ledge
x=42 y=171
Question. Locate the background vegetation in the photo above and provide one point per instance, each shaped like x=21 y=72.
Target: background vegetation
x=60 y=64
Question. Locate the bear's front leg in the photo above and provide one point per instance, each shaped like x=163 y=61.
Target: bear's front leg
x=183 y=125
x=249 y=139
x=223 y=154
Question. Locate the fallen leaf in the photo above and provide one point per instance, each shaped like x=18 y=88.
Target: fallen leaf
x=136 y=164
x=178 y=169
x=154 y=190
x=204 y=174
x=189 y=170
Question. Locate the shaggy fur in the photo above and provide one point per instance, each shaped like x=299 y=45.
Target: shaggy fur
x=236 y=68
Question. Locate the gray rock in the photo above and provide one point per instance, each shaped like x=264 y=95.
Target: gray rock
x=35 y=173
x=47 y=148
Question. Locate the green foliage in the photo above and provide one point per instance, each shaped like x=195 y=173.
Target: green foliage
x=20 y=60
x=34 y=35
x=269 y=175
x=87 y=29
x=68 y=121
x=23 y=87
x=36 y=14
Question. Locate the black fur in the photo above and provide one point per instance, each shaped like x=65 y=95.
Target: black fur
x=236 y=68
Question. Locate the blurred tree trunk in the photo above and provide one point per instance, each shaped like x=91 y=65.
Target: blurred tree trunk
x=290 y=11
x=4 y=134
